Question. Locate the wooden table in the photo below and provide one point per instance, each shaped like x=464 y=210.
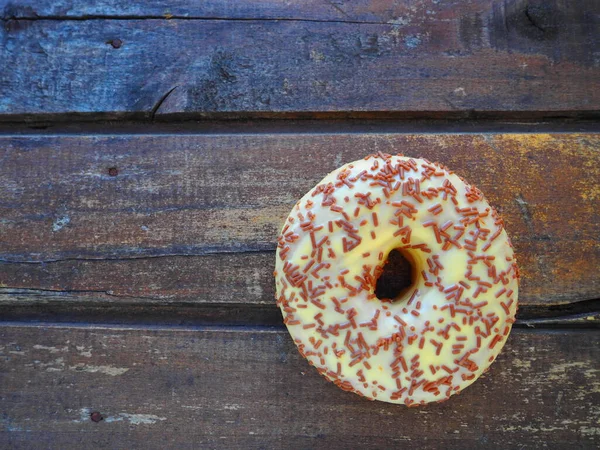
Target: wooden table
x=150 y=151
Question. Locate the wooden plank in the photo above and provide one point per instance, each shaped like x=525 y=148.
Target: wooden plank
x=322 y=10
x=432 y=57
x=251 y=389
x=218 y=279
x=67 y=224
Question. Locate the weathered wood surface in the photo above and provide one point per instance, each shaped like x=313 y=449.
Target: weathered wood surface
x=428 y=56
x=251 y=389
x=194 y=218
x=318 y=10
x=148 y=258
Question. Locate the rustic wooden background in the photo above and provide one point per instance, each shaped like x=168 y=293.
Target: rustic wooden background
x=150 y=151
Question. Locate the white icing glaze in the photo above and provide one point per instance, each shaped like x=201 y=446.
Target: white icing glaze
x=450 y=325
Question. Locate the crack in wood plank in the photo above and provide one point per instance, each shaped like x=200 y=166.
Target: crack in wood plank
x=173 y=18
x=268 y=249
x=160 y=102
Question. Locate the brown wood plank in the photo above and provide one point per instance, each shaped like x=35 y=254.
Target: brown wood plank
x=436 y=57
x=251 y=389
x=221 y=278
x=68 y=225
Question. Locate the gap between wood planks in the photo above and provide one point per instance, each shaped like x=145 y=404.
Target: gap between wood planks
x=24 y=306
x=438 y=120
x=170 y=17
x=333 y=123
x=566 y=325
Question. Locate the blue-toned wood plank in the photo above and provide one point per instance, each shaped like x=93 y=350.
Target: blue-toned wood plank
x=484 y=56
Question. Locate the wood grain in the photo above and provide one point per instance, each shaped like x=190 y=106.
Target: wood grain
x=251 y=389
x=449 y=57
x=150 y=230
x=319 y=10
x=136 y=291
x=245 y=278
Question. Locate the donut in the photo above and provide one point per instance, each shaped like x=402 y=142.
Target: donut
x=438 y=335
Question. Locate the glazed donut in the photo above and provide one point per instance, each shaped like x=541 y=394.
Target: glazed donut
x=440 y=334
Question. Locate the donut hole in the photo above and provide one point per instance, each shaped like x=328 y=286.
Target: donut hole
x=397 y=277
